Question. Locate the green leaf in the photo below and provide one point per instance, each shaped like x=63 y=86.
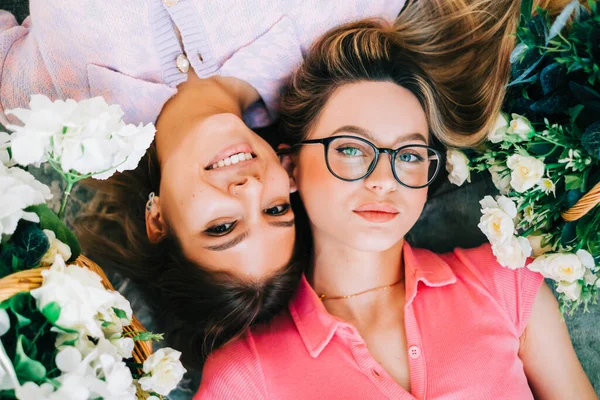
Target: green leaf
x=49 y=220
x=19 y=305
x=591 y=140
x=147 y=336
x=26 y=368
x=120 y=313
x=568 y=234
x=572 y=182
x=550 y=77
x=33 y=241
x=52 y=312
x=526 y=9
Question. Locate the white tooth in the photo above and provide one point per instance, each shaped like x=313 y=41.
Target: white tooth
x=248 y=156
x=214 y=166
x=221 y=163
x=227 y=161
x=234 y=159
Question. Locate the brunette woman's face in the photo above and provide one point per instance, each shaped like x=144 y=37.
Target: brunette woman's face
x=374 y=213
x=223 y=192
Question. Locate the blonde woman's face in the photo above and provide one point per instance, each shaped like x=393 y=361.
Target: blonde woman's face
x=374 y=213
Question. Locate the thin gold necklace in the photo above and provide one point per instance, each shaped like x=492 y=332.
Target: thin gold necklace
x=349 y=296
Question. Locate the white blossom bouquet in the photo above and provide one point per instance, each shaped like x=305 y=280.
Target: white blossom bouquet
x=70 y=337
x=543 y=155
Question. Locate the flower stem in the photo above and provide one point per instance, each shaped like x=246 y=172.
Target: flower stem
x=63 y=204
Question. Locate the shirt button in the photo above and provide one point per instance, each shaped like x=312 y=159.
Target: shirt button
x=170 y=3
x=182 y=63
x=414 y=352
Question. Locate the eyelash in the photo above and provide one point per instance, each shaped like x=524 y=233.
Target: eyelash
x=224 y=229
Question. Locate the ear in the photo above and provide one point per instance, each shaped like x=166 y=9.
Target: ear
x=288 y=162
x=156 y=227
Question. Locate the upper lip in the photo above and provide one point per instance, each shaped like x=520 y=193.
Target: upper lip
x=229 y=151
x=377 y=207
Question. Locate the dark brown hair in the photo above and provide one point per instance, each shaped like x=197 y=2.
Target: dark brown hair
x=199 y=309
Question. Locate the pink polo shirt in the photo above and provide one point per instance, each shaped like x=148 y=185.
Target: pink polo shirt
x=464 y=315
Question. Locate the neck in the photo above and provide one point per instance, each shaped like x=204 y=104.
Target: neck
x=339 y=270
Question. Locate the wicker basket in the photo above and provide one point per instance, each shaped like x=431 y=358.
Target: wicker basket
x=25 y=281
x=590 y=200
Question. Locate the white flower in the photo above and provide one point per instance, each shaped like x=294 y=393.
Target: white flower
x=512 y=253
x=124 y=346
x=497 y=219
x=4 y=145
x=571 y=290
x=165 y=371
x=575 y=160
x=536 y=245
x=87 y=137
x=565 y=267
x=500 y=179
x=457 y=165
x=19 y=190
x=56 y=247
x=68 y=359
x=73 y=386
x=586 y=258
x=499 y=130
x=31 y=391
x=79 y=293
x=31 y=143
x=4 y=322
x=116 y=383
x=520 y=127
x=591 y=279
x=547 y=186
x=526 y=172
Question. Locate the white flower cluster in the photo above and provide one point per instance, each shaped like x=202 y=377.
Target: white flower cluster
x=570 y=271
x=91 y=347
x=19 y=190
x=87 y=137
x=457 y=165
x=497 y=223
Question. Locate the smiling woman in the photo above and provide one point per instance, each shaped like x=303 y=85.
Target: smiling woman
x=214 y=242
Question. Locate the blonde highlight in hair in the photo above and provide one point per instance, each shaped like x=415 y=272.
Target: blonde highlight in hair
x=453 y=55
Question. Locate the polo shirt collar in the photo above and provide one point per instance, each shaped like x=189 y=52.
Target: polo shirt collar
x=316 y=326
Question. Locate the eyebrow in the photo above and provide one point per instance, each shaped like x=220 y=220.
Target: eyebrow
x=241 y=237
x=367 y=135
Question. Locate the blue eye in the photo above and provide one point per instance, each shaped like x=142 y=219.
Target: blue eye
x=409 y=157
x=350 y=151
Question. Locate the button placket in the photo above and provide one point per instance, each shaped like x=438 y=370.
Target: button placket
x=416 y=360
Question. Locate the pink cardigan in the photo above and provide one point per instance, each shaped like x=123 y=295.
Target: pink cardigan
x=464 y=315
x=126 y=51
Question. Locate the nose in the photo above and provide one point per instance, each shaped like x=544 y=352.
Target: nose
x=246 y=186
x=382 y=179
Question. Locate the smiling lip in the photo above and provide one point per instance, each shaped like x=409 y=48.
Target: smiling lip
x=375 y=212
x=231 y=150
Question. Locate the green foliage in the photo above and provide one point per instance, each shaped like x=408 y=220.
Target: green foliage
x=555 y=84
x=29 y=343
x=49 y=220
x=24 y=250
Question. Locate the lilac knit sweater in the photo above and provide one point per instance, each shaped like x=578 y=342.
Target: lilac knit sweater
x=126 y=51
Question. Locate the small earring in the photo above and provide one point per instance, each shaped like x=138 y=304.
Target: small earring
x=150 y=198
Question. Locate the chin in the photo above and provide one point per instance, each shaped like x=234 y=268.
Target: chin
x=374 y=243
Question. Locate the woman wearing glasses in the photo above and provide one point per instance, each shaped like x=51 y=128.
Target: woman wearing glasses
x=373 y=317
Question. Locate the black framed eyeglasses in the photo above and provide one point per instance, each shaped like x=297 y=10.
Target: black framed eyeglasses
x=352 y=158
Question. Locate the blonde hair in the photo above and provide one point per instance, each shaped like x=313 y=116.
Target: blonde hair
x=452 y=54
